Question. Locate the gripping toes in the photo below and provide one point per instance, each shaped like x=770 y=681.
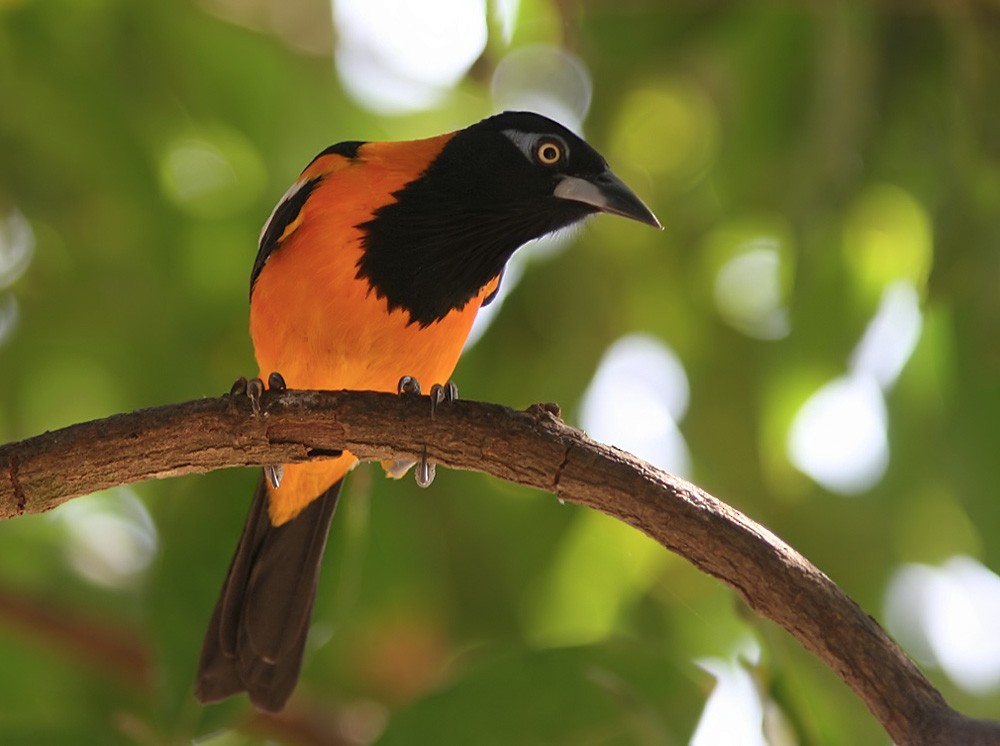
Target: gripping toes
x=408 y=386
x=446 y=394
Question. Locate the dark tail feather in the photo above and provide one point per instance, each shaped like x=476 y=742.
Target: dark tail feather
x=258 y=630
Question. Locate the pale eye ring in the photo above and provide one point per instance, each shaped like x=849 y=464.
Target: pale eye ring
x=549 y=152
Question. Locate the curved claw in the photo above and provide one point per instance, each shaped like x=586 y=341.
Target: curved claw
x=447 y=394
x=408 y=386
x=424 y=473
x=276 y=381
x=274 y=473
x=255 y=389
x=237 y=391
x=239 y=387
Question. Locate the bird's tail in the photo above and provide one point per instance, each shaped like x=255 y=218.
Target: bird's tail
x=257 y=634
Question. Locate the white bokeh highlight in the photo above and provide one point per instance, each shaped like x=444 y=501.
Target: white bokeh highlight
x=891 y=337
x=17 y=248
x=395 y=56
x=545 y=79
x=635 y=400
x=110 y=537
x=947 y=615
x=839 y=437
x=748 y=293
x=734 y=711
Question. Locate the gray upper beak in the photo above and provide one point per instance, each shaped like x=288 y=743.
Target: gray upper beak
x=607 y=193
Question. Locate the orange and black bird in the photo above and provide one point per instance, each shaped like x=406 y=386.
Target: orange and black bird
x=372 y=267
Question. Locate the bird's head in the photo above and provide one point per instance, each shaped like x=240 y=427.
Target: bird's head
x=494 y=186
x=526 y=163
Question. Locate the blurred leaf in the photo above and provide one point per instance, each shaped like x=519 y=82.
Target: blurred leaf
x=609 y=694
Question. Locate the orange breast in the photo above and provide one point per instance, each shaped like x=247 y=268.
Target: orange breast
x=319 y=326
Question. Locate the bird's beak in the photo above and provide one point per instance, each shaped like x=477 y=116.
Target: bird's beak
x=607 y=193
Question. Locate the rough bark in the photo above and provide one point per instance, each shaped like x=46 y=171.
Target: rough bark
x=534 y=448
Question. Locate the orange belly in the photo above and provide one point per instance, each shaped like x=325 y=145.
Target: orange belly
x=314 y=322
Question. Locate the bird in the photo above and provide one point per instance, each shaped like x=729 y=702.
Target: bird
x=372 y=267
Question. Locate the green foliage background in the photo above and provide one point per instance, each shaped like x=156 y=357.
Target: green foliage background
x=463 y=614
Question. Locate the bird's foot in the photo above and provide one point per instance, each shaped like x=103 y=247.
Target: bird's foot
x=408 y=386
x=254 y=390
x=275 y=472
x=439 y=395
x=446 y=394
x=276 y=381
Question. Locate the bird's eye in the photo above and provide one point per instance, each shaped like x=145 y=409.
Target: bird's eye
x=549 y=152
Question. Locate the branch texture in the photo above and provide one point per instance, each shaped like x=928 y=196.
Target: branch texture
x=533 y=448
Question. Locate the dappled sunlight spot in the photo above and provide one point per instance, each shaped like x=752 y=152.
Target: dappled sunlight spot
x=840 y=435
x=635 y=400
x=734 y=711
x=888 y=237
x=505 y=13
x=748 y=263
x=546 y=79
x=839 y=438
x=395 y=57
x=748 y=291
x=948 y=615
x=194 y=169
x=601 y=565
x=669 y=130
x=362 y=721
x=890 y=336
x=17 y=247
x=111 y=538
x=212 y=173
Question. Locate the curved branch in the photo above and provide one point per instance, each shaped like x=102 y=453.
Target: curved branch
x=533 y=448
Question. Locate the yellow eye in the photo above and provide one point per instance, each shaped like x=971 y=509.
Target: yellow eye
x=549 y=152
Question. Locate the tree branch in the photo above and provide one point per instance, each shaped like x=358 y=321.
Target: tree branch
x=533 y=448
